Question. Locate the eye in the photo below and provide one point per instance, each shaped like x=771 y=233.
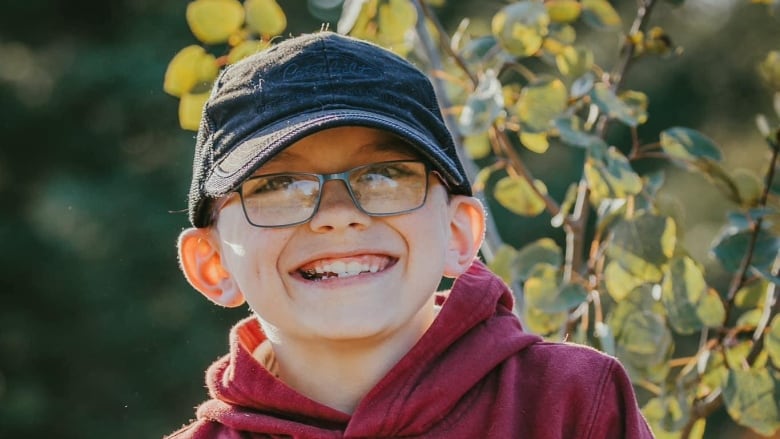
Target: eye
x=270 y=184
x=389 y=171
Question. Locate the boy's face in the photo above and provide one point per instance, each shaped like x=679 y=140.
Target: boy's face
x=407 y=254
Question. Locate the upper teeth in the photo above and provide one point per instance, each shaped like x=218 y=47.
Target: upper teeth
x=342 y=269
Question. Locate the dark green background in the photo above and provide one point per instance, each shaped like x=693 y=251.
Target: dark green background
x=100 y=336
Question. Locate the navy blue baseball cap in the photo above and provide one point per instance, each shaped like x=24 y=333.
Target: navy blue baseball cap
x=268 y=101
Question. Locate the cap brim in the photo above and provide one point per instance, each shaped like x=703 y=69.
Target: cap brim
x=265 y=143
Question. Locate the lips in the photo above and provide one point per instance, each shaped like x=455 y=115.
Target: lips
x=324 y=269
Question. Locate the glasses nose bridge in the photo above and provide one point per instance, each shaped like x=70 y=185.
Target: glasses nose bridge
x=344 y=178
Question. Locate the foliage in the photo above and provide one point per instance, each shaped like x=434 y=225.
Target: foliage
x=624 y=282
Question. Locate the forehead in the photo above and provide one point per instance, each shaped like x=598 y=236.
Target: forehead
x=342 y=147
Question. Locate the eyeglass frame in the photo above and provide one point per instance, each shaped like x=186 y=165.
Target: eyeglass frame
x=322 y=179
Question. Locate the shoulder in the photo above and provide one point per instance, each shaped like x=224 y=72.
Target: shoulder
x=588 y=390
x=577 y=369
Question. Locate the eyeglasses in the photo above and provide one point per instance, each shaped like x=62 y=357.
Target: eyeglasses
x=377 y=189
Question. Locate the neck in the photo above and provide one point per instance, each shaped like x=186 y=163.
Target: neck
x=339 y=373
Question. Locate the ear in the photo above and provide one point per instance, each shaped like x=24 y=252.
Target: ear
x=467 y=230
x=201 y=262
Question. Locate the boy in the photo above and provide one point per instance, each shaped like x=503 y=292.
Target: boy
x=349 y=337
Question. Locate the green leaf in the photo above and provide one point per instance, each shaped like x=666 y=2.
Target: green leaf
x=541 y=101
x=503 y=263
x=569 y=129
x=543 y=290
x=582 y=85
x=636 y=101
x=482 y=106
x=516 y=195
x=521 y=27
x=730 y=248
x=682 y=288
x=658 y=417
x=688 y=144
x=613 y=106
x=609 y=174
x=764 y=273
x=750 y=318
x=749 y=396
x=769 y=70
x=600 y=15
x=749 y=186
x=643 y=244
x=476 y=49
x=772 y=341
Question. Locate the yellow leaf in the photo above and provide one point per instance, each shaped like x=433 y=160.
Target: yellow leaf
x=518 y=196
x=540 y=102
x=563 y=11
x=190 y=66
x=213 y=21
x=265 y=17
x=574 y=61
x=601 y=14
x=245 y=49
x=536 y=142
x=191 y=110
x=619 y=281
x=396 y=19
x=521 y=27
x=477 y=146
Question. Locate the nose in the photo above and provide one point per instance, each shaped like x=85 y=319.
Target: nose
x=337 y=209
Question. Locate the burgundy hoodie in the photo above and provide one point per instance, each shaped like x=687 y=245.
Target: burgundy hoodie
x=473 y=374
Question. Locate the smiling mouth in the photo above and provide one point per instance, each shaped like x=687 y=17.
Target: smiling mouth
x=341 y=268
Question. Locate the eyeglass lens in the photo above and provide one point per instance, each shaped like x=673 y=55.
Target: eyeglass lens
x=385 y=188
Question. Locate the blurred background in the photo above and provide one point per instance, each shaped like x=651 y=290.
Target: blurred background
x=100 y=336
